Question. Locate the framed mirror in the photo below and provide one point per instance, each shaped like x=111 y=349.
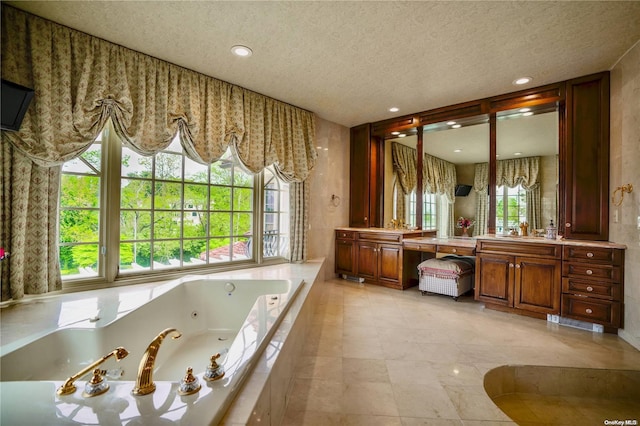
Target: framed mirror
x=450 y=153
x=526 y=192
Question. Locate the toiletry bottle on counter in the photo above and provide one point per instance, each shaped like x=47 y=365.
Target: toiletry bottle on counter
x=552 y=231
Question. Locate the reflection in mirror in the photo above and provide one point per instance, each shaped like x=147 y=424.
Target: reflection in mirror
x=450 y=152
x=526 y=170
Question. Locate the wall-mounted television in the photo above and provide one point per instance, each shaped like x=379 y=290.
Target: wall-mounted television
x=463 y=190
x=15 y=101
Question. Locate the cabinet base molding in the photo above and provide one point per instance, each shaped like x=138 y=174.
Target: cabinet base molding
x=538 y=315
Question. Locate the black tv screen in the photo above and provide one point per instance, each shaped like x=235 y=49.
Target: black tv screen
x=463 y=190
x=15 y=101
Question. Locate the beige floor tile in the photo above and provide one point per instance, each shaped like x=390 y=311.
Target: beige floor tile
x=364 y=370
x=368 y=398
x=410 y=372
x=368 y=348
x=379 y=356
x=368 y=420
x=315 y=395
x=311 y=418
x=418 y=400
x=319 y=367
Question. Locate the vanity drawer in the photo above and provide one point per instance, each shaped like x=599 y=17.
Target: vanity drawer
x=345 y=235
x=462 y=251
x=590 y=309
x=429 y=248
x=592 y=271
x=516 y=248
x=593 y=254
x=379 y=237
x=592 y=289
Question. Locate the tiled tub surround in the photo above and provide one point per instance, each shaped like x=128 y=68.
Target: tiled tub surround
x=273 y=369
x=542 y=395
x=379 y=356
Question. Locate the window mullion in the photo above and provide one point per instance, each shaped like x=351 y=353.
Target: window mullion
x=110 y=209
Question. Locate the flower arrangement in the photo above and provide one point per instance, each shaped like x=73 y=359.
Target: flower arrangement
x=465 y=223
x=3 y=253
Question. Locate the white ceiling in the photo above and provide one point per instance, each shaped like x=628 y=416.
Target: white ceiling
x=350 y=61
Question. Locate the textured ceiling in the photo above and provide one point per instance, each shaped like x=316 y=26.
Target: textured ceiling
x=350 y=61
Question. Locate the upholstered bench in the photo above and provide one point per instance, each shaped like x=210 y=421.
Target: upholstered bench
x=449 y=275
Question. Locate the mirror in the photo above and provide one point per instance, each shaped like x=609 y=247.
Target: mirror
x=526 y=170
x=450 y=153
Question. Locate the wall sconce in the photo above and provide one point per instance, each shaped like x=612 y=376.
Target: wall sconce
x=624 y=188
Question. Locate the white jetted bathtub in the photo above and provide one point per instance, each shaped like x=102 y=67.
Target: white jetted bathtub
x=236 y=318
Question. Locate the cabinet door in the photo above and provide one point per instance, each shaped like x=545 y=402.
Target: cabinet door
x=367 y=266
x=366 y=178
x=345 y=257
x=390 y=263
x=586 y=163
x=538 y=284
x=494 y=278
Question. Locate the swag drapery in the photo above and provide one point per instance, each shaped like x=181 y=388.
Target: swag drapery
x=438 y=177
x=80 y=82
x=511 y=173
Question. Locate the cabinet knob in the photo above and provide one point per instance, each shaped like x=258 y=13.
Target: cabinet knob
x=365 y=218
x=454 y=251
x=588 y=310
x=419 y=247
x=589 y=272
x=589 y=288
x=589 y=254
x=511 y=265
x=567 y=225
x=517 y=266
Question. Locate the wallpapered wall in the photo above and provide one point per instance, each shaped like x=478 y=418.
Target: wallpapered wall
x=625 y=156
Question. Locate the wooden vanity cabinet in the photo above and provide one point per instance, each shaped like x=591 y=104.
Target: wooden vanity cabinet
x=519 y=276
x=592 y=284
x=345 y=253
x=378 y=257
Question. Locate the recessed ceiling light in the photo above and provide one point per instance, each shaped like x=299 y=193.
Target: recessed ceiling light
x=527 y=114
x=395 y=133
x=401 y=135
x=456 y=126
x=517 y=153
x=457 y=150
x=522 y=80
x=525 y=109
x=450 y=123
x=394 y=109
x=240 y=50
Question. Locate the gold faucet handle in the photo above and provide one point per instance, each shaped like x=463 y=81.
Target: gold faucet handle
x=190 y=384
x=214 y=371
x=214 y=364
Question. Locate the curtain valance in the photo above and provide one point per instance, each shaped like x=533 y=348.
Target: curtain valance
x=439 y=177
x=81 y=81
x=405 y=166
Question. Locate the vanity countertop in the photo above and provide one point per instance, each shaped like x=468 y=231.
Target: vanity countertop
x=385 y=230
x=542 y=240
x=453 y=241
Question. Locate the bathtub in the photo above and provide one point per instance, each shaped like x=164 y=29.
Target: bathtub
x=237 y=318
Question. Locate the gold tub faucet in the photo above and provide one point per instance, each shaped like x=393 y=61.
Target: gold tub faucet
x=69 y=387
x=144 y=382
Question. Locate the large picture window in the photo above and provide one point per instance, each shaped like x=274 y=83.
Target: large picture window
x=172 y=212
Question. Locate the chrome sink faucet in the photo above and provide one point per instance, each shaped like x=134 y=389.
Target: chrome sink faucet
x=144 y=382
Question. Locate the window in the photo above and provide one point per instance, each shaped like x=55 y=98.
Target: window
x=169 y=212
x=80 y=222
x=276 y=216
x=511 y=208
x=429 y=210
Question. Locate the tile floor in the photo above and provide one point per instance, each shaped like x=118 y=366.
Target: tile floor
x=378 y=356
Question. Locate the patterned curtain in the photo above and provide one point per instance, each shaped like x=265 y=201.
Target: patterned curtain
x=481 y=187
x=406 y=175
x=526 y=173
x=518 y=171
x=81 y=81
x=439 y=177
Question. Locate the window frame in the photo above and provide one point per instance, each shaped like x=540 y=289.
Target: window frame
x=109 y=231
